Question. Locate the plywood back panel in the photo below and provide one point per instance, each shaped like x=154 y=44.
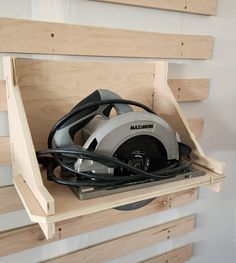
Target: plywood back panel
x=26 y=36
x=50 y=89
x=204 y=7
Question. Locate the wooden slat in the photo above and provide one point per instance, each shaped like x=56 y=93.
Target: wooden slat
x=25 y=36
x=9 y=200
x=130 y=243
x=204 y=7
x=196 y=126
x=178 y=255
x=32 y=236
x=5 y=151
x=189 y=89
x=3 y=96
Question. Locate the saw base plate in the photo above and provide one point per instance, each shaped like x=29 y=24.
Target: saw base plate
x=84 y=193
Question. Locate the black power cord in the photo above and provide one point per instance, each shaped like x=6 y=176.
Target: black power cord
x=57 y=158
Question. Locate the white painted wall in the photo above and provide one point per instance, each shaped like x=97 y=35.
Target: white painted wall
x=214 y=236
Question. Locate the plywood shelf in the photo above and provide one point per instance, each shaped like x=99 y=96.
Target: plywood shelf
x=35 y=95
x=68 y=206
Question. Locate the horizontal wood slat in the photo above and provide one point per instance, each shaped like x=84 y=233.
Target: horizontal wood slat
x=32 y=236
x=9 y=200
x=5 y=151
x=189 y=89
x=204 y=7
x=178 y=255
x=3 y=96
x=130 y=243
x=25 y=36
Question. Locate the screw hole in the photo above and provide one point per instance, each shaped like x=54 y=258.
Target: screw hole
x=185 y=7
x=179 y=89
x=59 y=229
x=52 y=34
x=168 y=237
x=182 y=43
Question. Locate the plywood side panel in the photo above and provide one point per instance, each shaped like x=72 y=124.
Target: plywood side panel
x=178 y=255
x=5 y=150
x=32 y=236
x=204 y=7
x=26 y=36
x=168 y=108
x=3 y=96
x=189 y=89
x=9 y=200
x=130 y=243
x=24 y=160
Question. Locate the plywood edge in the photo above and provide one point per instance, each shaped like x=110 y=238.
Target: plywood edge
x=5 y=150
x=186 y=90
x=24 y=160
x=3 y=96
x=201 y=7
x=178 y=255
x=33 y=235
x=63 y=39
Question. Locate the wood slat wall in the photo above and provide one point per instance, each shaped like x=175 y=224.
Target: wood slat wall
x=204 y=7
x=178 y=255
x=32 y=236
x=130 y=243
x=65 y=39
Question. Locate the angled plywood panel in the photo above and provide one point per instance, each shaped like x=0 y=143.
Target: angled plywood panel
x=204 y=7
x=25 y=36
x=189 y=89
x=33 y=235
x=178 y=255
x=130 y=243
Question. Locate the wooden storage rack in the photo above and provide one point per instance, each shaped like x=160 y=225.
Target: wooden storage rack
x=35 y=92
